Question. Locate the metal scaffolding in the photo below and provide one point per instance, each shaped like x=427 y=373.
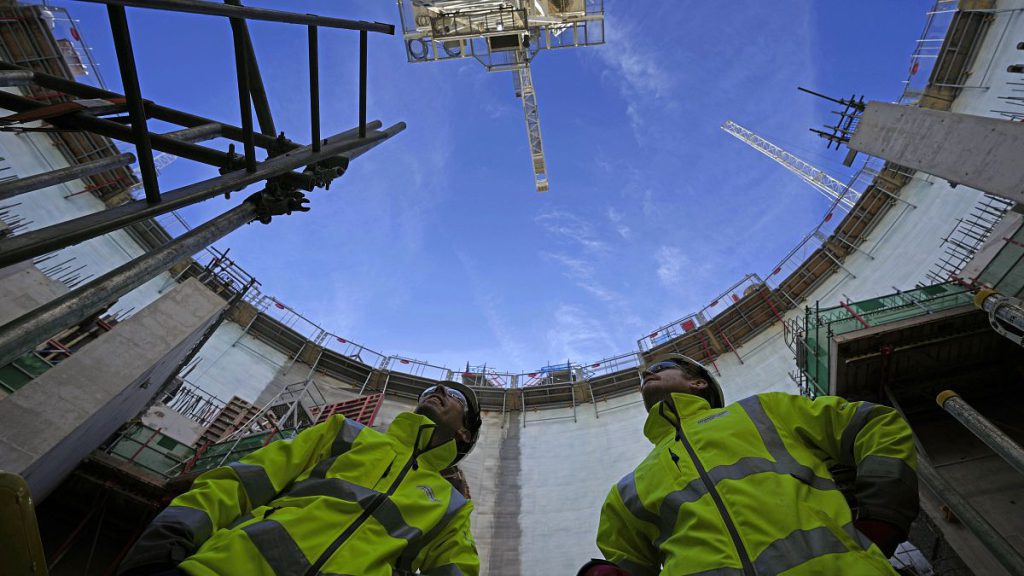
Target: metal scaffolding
x=288 y=170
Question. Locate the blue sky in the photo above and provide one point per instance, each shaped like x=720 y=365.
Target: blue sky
x=435 y=245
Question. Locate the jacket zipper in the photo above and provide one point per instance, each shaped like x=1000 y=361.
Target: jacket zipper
x=367 y=512
x=748 y=567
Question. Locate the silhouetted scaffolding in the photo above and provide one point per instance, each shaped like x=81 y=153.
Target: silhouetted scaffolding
x=287 y=169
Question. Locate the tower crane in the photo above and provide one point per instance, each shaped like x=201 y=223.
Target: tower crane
x=503 y=35
x=828 y=186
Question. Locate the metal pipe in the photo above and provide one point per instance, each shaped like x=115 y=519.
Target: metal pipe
x=971 y=518
x=989 y=537
x=853 y=313
x=133 y=94
x=52 y=178
x=197 y=133
x=111 y=129
x=362 y=84
x=38 y=242
x=256 y=88
x=25 y=332
x=16 y=78
x=212 y=9
x=314 y=89
x=156 y=111
x=1005 y=314
x=244 y=96
x=987 y=432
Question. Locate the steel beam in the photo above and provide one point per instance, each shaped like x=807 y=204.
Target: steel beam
x=52 y=178
x=89 y=123
x=238 y=33
x=38 y=242
x=133 y=95
x=256 y=88
x=24 y=333
x=212 y=9
x=156 y=111
x=162 y=142
x=16 y=78
x=197 y=133
x=314 y=89
x=362 y=84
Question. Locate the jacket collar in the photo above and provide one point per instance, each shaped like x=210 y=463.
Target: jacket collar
x=414 y=431
x=670 y=412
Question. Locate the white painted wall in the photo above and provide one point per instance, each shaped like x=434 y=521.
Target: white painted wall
x=35 y=153
x=567 y=469
x=233 y=363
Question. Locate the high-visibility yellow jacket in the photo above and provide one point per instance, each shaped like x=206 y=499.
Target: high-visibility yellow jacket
x=746 y=489
x=337 y=499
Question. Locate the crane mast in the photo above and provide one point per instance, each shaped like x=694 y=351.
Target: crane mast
x=828 y=186
x=525 y=91
x=504 y=36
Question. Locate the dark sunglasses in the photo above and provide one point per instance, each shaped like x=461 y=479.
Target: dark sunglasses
x=458 y=396
x=655 y=368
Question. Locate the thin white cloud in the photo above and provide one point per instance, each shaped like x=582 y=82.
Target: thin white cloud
x=583 y=273
x=576 y=335
x=671 y=262
x=571 y=227
x=633 y=67
x=616 y=219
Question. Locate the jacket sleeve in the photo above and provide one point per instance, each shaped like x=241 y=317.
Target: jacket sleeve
x=452 y=552
x=626 y=539
x=871 y=437
x=222 y=495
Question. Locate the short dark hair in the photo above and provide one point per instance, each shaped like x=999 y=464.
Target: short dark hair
x=692 y=372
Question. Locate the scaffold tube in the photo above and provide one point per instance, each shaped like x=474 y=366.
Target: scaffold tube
x=989 y=537
x=981 y=427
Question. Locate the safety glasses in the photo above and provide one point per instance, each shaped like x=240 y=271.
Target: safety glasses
x=450 y=392
x=655 y=368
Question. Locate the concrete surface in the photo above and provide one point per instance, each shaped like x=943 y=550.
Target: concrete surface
x=62 y=416
x=172 y=424
x=975 y=151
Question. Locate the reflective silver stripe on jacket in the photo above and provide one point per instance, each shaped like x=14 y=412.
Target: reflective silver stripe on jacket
x=861 y=416
x=798 y=547
x=784 y=461
x=455 y=503
x=278 y=548
x=886 y=489
x=333 y=488
x=630 y=498
x=174 y=535
x=386 y=513
x=256 y=483
x=343 y=442
x=283 y=554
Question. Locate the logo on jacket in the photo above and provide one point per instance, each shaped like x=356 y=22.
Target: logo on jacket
x=707 y=419
x=429 y=492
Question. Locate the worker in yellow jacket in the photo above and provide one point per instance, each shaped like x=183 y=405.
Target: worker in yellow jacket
x=745 y=489
x=339 y=498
